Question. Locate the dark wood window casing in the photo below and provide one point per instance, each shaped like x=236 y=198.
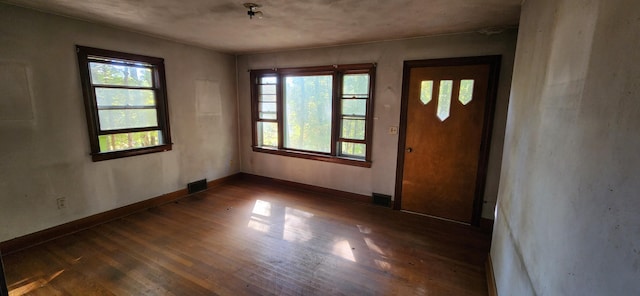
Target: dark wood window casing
x=268 y=110
x=121 y=117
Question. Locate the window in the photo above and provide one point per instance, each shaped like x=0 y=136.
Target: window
x=322 y=113
x=125 y=101
x=445 y=89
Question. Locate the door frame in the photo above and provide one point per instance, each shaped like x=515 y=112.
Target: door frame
x=492 y=90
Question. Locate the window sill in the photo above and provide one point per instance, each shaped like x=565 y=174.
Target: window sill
x=131 y=152
x=314 y=156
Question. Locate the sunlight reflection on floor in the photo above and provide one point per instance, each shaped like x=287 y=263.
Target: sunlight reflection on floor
x=260 y=216
x=296 y=227
x=364 y=229
x=32 y=286
x=382 y=264
x=259 y=224
x=372 y=246
x=262 y=208
x=344 y=250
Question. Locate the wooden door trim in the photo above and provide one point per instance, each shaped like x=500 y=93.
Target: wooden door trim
x=492 y=90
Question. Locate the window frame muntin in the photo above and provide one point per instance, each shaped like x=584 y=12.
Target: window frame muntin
x=337 y=72
x=159 y=87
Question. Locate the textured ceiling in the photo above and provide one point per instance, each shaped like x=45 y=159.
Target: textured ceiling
x=287 y=24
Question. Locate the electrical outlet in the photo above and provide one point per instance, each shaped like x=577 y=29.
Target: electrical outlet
x=393 y=130
x=61 y=202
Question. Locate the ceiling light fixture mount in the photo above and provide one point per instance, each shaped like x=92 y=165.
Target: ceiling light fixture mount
x=252 y=10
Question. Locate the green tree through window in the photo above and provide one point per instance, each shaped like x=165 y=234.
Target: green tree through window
x=322 y=113
x=125 y=100
x=308 y=113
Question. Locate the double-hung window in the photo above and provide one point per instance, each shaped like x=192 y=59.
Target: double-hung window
x=322 y=113
x=125 y=101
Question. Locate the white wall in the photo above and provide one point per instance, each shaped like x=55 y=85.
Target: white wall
x=568 y=218
x=389 y=56
x=44 y=146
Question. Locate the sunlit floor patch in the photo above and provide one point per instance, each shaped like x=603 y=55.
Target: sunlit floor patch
x=372 y=246
x=296 y=225
x=344 y=250
x=34 y=285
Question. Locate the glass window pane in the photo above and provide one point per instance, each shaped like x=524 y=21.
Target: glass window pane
x=268 y=80
x=267 y=115
x=466 y=91
x=127 y=118
x=267 y=110
x=307 y=118
x=355 y=84
x=444 y=99
x=120 y=75
x=267 y=134
x=353 y=129
x=353 y=149
x=267 y=89
x=124 y=97
x=126 y=141
x=426 y=91
x=267 y=98
x=354 y=107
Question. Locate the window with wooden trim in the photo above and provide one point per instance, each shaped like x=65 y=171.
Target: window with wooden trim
x=125 y=101
x=323 y=113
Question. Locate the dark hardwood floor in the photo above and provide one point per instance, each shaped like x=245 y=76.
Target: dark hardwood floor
x=253 y=238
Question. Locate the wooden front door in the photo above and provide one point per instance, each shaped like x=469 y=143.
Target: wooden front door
x=447 y=112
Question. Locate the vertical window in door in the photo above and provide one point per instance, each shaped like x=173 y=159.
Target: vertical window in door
x=426 y=91
x=444 y=99
x=307 y=112
x=466 y=91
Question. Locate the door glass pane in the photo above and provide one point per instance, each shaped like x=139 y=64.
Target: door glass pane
x=354 y=107
x=444 y=99
x=126 y=141
x=354 y=149
x=426 y=91
x=353 y=129
x=307 y=108
x=110 y=74
x=113 y=119
x=466 y=91
x=124 y=97
x=267 y=134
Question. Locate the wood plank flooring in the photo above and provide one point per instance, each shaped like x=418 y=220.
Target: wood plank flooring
x=254 y=238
